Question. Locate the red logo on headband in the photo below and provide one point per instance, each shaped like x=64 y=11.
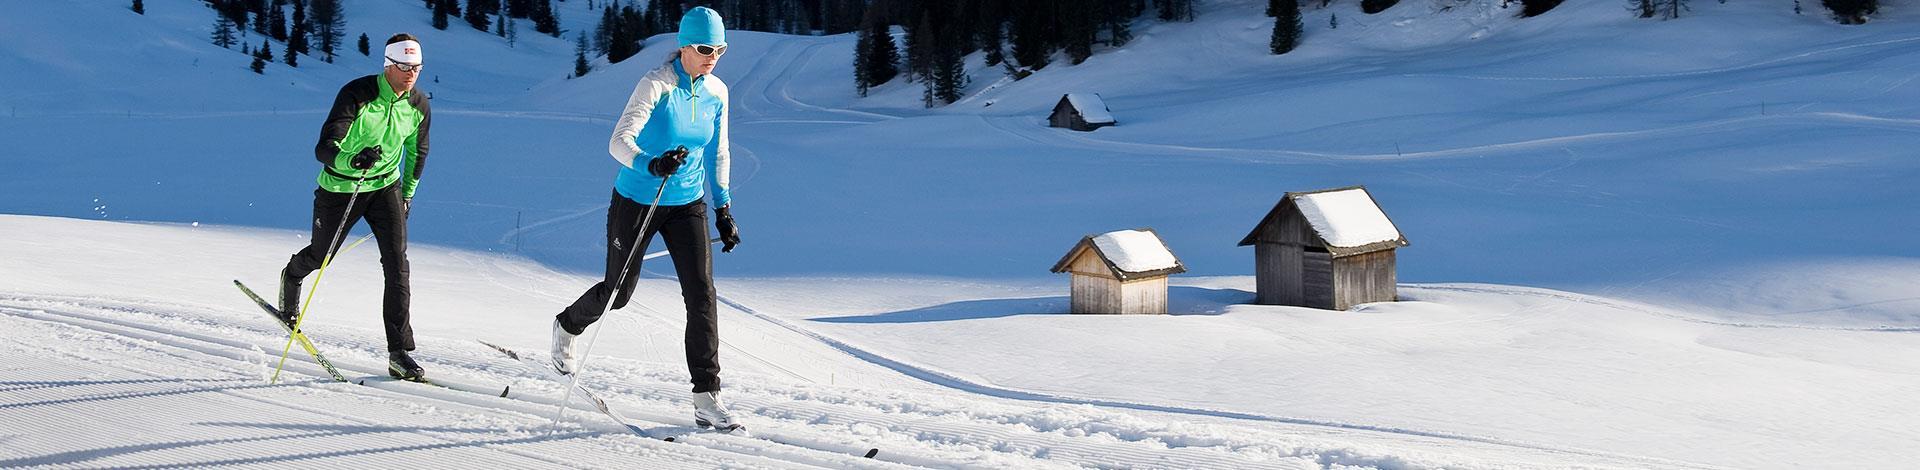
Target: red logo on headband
x=409 y=51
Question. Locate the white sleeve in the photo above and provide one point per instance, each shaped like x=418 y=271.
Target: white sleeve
x=634 y=117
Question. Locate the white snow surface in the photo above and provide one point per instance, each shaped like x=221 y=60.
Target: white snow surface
x=1091 y=107
x=1668 y=289
x=1135 y=251
x=1346 y=218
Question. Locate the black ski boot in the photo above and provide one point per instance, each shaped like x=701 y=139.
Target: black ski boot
x=400 y=366
x=289 y=298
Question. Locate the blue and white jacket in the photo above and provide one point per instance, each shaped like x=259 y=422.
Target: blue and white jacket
x=670 y=109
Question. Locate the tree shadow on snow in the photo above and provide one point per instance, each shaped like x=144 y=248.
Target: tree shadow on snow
x=1181 y=301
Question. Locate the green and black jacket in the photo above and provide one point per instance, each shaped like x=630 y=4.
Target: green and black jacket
x=367 y=113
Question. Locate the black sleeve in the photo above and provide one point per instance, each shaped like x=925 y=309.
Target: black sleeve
x=422 y=103
x=346 y=106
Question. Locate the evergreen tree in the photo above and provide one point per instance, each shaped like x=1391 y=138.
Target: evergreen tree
x=1644 y=7
x=1532 y=8
x=139 y=8
x=365 y=48
x=1376 y=6
x=1175 y=10
x=480 y=14
x=875 y=55
x=1333 y=21
x=1119 y=17
x=1030 y=35
x=990 y=26
x=260 y=22
x=261 y=56
x=580 y=65
x=297 y=39
x=440 y=13
x=500 y=24
x=1672 y=8
x=604 y=32
x=329 y=26
x=277 y=27
x=949 y=72
x=223 y=32
x=292 y=57
x=544 y=21
x=919 y=48
x=1286 y=27
x=1077 y=31
x=1851 y=11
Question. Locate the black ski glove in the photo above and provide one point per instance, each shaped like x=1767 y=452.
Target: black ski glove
x=366 y=158
x=668 y=162
x=406 y=207
x=729 y=233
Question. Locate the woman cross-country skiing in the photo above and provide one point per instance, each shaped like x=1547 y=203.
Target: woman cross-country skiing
x=671 y=141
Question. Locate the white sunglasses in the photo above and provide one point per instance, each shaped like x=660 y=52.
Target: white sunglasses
x=709 y=50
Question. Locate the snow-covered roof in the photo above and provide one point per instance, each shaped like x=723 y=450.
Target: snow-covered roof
x=1091 y=108
x=1135 y=251
x=1129 y=254
x=1346 y=220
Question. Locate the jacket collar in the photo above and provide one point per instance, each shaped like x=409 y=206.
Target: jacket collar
x=685 y=82
x=386 y=89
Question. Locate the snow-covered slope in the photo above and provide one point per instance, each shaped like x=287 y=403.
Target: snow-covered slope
x=1721 y=202
x=159 y=361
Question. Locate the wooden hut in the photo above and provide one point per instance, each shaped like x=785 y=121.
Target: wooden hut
x=1120 y=272
x=1081 y=112
x=1330 y=249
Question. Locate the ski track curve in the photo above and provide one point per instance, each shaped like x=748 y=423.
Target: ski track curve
x=794 y=426
x=460 y=394
x=957 y=383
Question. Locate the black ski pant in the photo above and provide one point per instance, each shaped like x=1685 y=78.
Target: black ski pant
x=684 y=228
x=386 y=214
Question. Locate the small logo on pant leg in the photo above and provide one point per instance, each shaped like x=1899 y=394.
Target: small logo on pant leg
x=617 y=245
x=316 y=222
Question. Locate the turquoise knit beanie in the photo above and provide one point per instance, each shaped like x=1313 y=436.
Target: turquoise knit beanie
x=701 y=25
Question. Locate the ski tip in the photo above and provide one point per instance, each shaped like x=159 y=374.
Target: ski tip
x=670 y=439
x=872 y=452
x=504 y=390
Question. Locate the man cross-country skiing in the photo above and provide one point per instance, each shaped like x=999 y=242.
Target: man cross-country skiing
x=372 y=148
x=671 y=141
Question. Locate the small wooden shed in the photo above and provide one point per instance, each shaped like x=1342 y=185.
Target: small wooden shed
x=1120 y=272
x=1081 y=112
x=1330 y=249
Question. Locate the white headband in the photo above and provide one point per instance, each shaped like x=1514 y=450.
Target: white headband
x=403 y=51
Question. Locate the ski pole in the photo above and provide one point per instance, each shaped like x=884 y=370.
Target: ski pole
x=302 y=315
x=574 y=378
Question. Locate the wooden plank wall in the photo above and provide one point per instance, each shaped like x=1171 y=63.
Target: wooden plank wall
x=1360 y=279
x=1094 y=294
x=1288 y=228
x=1277 y=273
x=1317 y=285
x=1146 y=296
